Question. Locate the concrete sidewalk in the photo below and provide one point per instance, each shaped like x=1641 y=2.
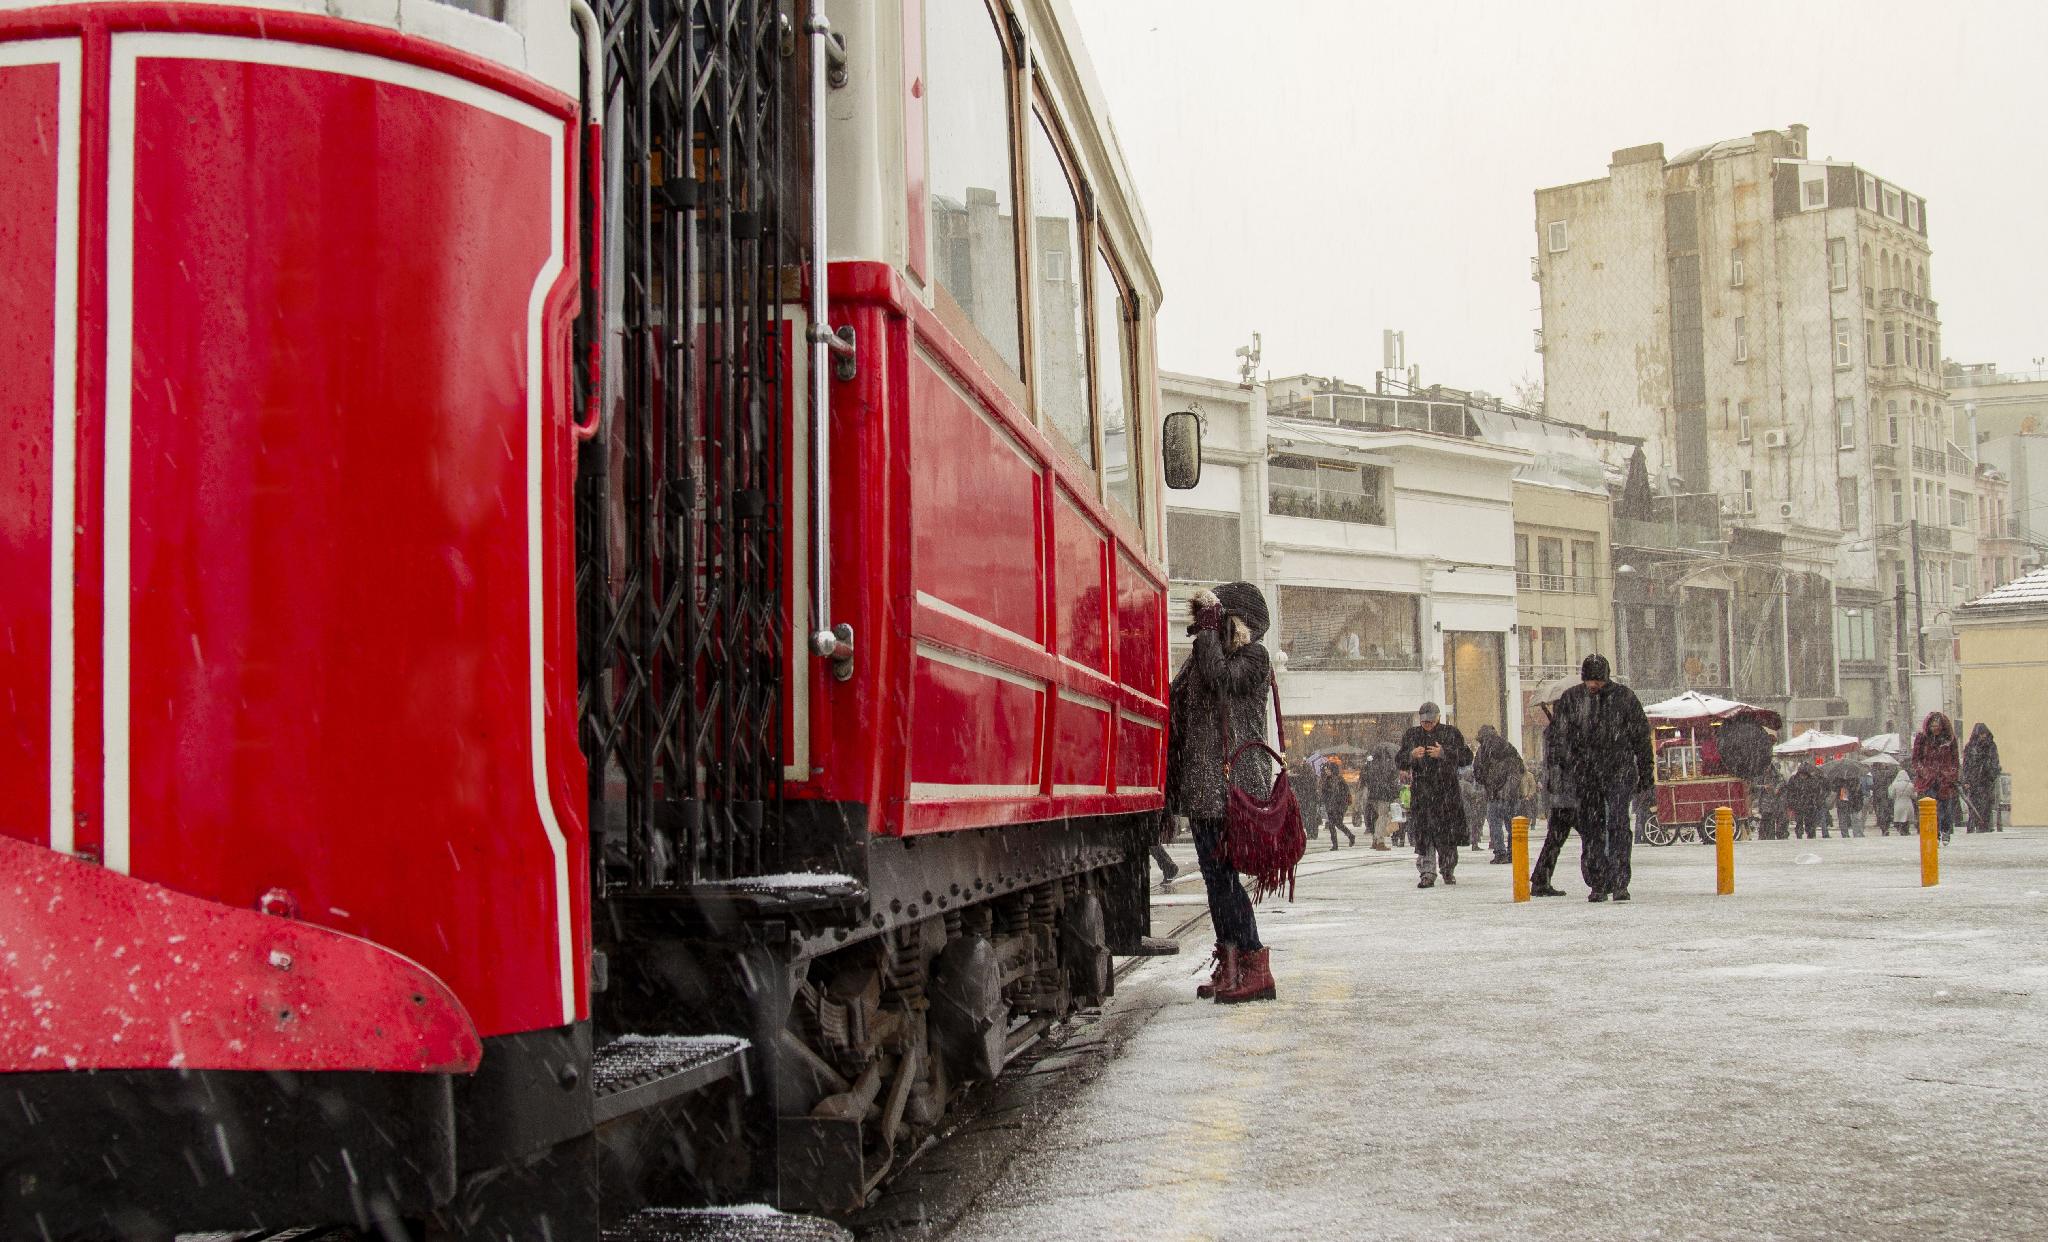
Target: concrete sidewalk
x=1832 y=1051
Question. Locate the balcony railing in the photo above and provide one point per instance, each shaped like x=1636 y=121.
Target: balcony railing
x=1561 y=584
x=1906 y=299
x=1929 y=460
x=1959 y=463
x=1934 y=538
x=1884 y=457
x=1649 y=533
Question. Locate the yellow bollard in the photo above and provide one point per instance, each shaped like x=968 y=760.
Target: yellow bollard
x=1518 y=853
x=1930 y=844
x=1724 y=851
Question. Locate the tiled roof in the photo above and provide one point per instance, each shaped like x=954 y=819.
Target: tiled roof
x=2030 y=591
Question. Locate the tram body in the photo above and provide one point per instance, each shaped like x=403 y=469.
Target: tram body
x=426 y=800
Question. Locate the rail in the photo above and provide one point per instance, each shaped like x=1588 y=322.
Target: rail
x=832 y=640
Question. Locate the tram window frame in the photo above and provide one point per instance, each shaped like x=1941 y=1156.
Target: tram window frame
x=1011 y=378
x=1046 y=118
x=1126 y=377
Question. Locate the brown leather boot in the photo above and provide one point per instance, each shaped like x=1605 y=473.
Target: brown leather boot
x=1224 y=974
x=1254 y=979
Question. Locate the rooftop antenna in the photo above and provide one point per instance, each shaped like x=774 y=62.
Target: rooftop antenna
x=1248 y=362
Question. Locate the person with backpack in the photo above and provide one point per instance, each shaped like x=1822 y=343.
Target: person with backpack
x=1498 y=769
x=1217 y=702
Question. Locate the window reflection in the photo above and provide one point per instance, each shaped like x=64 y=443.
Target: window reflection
x=1113 y=349
x=1060 y=344
x=974 y=218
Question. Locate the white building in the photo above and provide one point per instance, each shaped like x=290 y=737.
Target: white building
x=1382 y=534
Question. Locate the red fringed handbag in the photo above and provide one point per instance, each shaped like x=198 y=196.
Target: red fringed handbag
x=1262 y=840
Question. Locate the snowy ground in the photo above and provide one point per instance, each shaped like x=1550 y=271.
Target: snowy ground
x=1831 y=1051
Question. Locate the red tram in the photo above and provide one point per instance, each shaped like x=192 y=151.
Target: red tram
x=532 y=694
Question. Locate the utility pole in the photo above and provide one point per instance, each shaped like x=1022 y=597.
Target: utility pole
x=1899 y=624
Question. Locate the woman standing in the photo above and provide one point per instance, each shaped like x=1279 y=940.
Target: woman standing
x=1905 y=814
x=1980 y=777
x=1936 y=768
x=1217 y=703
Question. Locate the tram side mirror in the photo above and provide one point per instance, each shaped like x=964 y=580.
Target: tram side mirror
x=1181 y=444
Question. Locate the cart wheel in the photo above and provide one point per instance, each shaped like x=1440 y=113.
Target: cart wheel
x=1657 y=832
x=1706 y=828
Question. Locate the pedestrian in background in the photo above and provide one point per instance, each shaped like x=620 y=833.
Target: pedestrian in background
x=1307 y=783
x=1431 y=752
x=1904 y=814
x=1808 y=797
x=1980 y=777
x=1608 y=739
x=1498 y=768
x=1936 y=768
x=1560 y=806
x=1379 y=783
x=1218 y=702
x=1335 y=795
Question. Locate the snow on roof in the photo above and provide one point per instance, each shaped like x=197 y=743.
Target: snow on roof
x=2030 y=591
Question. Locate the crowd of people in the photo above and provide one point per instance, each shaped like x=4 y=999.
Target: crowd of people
x=1438 y=793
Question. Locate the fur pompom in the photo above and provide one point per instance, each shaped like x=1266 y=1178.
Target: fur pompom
x=1204 y=598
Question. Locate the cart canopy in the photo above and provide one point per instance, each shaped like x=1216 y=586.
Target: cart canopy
x=1813 y=744
x=1692 y=707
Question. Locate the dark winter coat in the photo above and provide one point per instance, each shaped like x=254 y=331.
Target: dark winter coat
x=1334 y=792
x=1558 y=794
x=1380 y=776
x=1806 y=793
x=1211 y=684
x=1935 y=768
x=1307 y=793
x=1980 y=759
x=1434 y=800
x=1497 y=767
x=1608 y=737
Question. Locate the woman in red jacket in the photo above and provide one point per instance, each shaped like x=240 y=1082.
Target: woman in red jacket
x=1936 y=768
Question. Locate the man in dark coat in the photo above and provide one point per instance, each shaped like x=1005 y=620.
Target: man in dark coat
x=1807 y=797
x=1607 y=737
x=1431 y=752
x=1498 y=769
x=1335 y=795
x=1980 y=778
x=1562 y=814
x=1380 y=785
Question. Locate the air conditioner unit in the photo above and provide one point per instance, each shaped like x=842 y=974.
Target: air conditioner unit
x=1785 y=509
x=1774 y=439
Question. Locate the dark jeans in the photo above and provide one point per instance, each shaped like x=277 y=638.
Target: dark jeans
x=1436 y=845
x=1230 y=907
x=1335 y=823
x=1554 y=833
x=1609 y=841
x=1497 y=816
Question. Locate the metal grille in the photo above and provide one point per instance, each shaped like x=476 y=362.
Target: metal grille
x=680 y=504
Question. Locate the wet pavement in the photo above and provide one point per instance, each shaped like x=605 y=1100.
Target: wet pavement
x=1831 y=1051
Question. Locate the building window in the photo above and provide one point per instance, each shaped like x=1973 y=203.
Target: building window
x=1814 y=193
x=1529 y=670
x=1741 y=339
x=1321 y=628
x=1583 y=566
x=1898 y=503
x=1845 y=348
x=1560 y=236
x=1847 y=494
x=1550 y=564
x=1913 y=214
x=1749 y=491
x=1203 y=547
x=1555 y=654
x=1060 y=342
x=1845 y=422
x=1893 y=208
x=1856 y=633
x=1585 y=643
x=1920 y=279
x=1522 y=579
x=1869 y=339
x=1958 y=509
x=1869 y=192
x=1332 y=491
x=1735 y=267
x=1891 y=348
x=1838 y=262
x=974 y=216
x=1742 y=422
x=1891 y=418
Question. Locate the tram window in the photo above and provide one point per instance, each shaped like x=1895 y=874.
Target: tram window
x=974 y=216
x=1059 y=375
x=1120 y=421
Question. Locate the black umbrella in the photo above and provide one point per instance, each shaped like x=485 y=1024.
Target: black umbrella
x=1843 y=773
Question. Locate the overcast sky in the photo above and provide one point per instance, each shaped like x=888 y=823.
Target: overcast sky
x=1317 y=170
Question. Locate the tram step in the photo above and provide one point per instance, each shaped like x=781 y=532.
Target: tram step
x=636 y=1072
x=743 y=1224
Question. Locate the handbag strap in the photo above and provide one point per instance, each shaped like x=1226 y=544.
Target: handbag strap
x=1279 y=727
